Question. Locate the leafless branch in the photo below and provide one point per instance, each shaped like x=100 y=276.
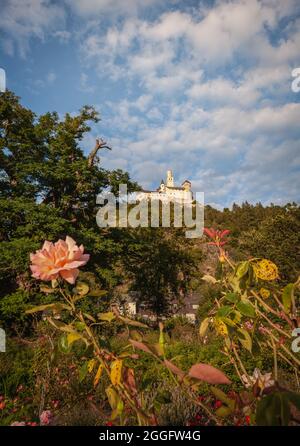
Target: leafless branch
x=100 y=144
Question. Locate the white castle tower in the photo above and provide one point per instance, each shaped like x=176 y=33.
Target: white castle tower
x=168 y=192
x=170 y=179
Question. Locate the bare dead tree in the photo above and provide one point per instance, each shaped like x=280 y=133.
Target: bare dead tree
x=100 y=144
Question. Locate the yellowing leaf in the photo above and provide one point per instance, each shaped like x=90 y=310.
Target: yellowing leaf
x=113 y=397
x=109 y=316
x=210 y=279
x=56 y=307
x=245 y=339
x=81 y=288
x=287 y=297
x=47 y=290
x=224 y=411
x=264 y=293
x=98 y=375
x=72 y=337
x=203 y=327
x=116 y=372
x=220 y=327
x=90 y=365
x=265 y=270
x=242 y=269
x=68 y=328
x=134 y=323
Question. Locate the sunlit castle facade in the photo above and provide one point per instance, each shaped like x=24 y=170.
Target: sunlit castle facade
x=168 y=192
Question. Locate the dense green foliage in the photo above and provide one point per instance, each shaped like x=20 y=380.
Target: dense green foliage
x=48 y=189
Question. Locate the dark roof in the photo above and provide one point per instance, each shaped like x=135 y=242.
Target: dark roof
x=186 y=181
x=172 y=187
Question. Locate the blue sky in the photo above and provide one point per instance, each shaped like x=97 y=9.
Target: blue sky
x=202 y=87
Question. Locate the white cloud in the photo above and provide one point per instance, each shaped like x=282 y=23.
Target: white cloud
x=205 y=91
x=22 y=20
x=86 y=8
x=63 y=35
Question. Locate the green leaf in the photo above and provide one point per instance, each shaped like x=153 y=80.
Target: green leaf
x=83 y=371
x=55 y=306
x=224 y=411
x=97 y=293
x=224 y=311
x=220 y=395
x=164 y=397
x=232 y=297
x=80 y=326
x=273 y=410
x=229 y=321
x=61 y=325
x=245 y=339
x=287 y=297
x=242 y=269
x=246 y=308
x=137 y=336
x=109 y=316
x=63 y=344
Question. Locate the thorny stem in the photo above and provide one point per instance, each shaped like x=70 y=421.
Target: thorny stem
x=233 y=361
x=69 y=301
x=264 y=304
x=270 y=322
x=240 y=362
x=275 y=360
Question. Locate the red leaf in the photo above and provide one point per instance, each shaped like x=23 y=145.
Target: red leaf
x=129 y=380
x=174 y=369
x=225 y=232
x=209 y=374
x=140 y=346
x=210 y=232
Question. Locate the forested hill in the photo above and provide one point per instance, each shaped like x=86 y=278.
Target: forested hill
x=47 y=191
x=271 y=231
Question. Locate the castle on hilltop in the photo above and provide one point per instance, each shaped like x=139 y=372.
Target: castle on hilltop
x=168 y=192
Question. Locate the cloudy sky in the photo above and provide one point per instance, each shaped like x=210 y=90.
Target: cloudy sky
x=202 y=87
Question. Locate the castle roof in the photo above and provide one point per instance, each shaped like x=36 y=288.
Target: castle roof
x=174 y=187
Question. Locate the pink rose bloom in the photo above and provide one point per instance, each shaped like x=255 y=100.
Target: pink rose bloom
x=18 y=423
x=62 y=258
x=46 y=417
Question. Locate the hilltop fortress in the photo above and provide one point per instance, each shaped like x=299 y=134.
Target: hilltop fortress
x=167 y=191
